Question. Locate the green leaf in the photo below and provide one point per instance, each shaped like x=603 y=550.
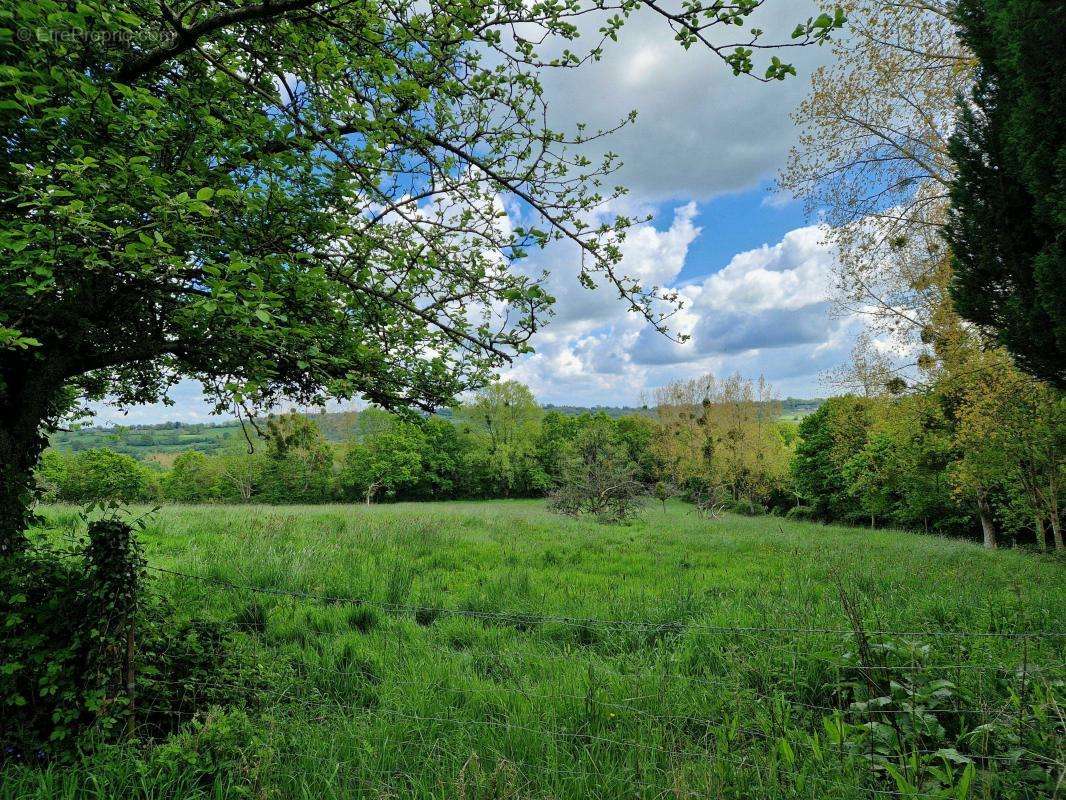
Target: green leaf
x=953 y=755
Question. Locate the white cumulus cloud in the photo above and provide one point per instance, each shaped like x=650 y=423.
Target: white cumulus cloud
x=700 y=131
x=766 y=312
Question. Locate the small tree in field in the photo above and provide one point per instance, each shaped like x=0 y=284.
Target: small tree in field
x=662 y=493
x=598 y=477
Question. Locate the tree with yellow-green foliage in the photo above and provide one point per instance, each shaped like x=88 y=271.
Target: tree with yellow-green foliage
x=723 y=435
x=506 y=415
x=1010 y=434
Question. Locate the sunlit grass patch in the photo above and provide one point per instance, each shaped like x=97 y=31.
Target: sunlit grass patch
x=426 y=650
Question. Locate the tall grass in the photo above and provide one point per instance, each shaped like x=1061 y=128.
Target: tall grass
x=502 y=651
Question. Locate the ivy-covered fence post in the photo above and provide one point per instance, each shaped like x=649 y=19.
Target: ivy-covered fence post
x=116 y=570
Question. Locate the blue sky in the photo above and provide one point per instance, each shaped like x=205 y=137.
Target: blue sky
x=702 y=158
x=735 y=222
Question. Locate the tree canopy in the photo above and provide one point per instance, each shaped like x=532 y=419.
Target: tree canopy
x=872 y=163
x=296 y=198
x=1007 y=227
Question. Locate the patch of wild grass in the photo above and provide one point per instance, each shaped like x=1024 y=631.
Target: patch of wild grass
x=502 y=651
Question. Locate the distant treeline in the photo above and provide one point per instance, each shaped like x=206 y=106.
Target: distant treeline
x=500 y=445
x=145 y=441
x=932 y=462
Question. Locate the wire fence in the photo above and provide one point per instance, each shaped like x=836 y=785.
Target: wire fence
x=653 y=722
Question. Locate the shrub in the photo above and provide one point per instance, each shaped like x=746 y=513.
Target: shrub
x=43 y=690
x=748 y=508
x=709 y=501
x=597 y=477
x=219 y=746
x=70 y=618
x=184 y=667
x=103 y=475
x=923 y=732
x=801 y=512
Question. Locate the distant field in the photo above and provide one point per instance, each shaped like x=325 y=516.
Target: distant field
x=504 y=651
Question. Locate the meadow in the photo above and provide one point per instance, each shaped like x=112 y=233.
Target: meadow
x=494 y=649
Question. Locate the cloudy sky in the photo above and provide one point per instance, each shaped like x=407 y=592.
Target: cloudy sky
x=701 y=157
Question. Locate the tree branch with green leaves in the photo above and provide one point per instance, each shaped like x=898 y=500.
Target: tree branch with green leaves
x=296 y=199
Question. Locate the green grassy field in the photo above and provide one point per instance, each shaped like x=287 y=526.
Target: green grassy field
x=504 y=651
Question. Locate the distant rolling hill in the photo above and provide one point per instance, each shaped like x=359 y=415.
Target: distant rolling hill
x=160 y=441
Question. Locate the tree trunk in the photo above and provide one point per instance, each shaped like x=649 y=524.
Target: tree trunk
x=16 y=486
x=1041 y=534
x=988 y=530
x=31 y=401
x=1053 y=510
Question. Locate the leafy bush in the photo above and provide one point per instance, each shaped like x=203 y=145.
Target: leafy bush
x=71 y=619
x=598 y=477
x=800 y=512
x=219 y=746
x=709 y=501
x=93 y=476
x=924 y=733
x=44 y=692
x=185 y=666
x=748 y=508
x=931 y=733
